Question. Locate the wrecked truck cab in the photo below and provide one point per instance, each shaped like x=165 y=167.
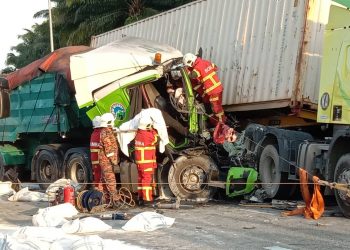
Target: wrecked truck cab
x=127 y=76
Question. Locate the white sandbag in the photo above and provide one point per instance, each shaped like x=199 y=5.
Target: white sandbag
x=51 y=190
x=54 y=216
x=47 y=234
x=25 y=195
x=5 y=188
x=148 y=221
x=12 y=243
x=85 y=225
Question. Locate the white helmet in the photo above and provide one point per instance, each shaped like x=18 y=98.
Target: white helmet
x=96 y=122
x=189 y=59
x=145 y=122
x=107 y=120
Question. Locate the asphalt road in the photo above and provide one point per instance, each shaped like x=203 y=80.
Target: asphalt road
x=217 y=225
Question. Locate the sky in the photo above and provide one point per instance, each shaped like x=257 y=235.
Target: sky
x=15 y=16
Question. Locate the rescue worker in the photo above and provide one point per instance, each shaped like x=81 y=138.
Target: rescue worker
x=104 y=155
x=145 y=158
x=206 y=83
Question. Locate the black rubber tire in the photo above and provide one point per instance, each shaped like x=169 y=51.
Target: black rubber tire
x=269 y=173
x=342 y=176
x=79 y=169
x=47 y=167
x=201 y=167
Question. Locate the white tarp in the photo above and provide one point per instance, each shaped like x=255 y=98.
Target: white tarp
x=111 y=62
x=85 y=225
x=26 y=195
x=55 y=239
x=5 y=188
x=147 y=222
x=54 y=216
x=152 y=116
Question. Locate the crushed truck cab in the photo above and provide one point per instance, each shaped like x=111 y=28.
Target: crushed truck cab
x=48 y=107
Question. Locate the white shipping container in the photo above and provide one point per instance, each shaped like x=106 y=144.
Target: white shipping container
x=268 y=51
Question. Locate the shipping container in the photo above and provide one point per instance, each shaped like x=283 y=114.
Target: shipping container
x=268 y=51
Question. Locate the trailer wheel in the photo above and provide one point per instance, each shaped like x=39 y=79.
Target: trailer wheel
x=79 y=170
x=47 y=167
x=342 y=176
x=270 y=176
x=188 y=178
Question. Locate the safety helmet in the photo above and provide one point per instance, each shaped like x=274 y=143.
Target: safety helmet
x=107 y=120
x=189 y=59
x=96 y=122
x=145 y=123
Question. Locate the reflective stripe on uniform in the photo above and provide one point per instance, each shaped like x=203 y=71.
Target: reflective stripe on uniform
x=95 y=162
x=148 y=170
x=208 y=76
x=110 y=154
x=147 y=190
x=197 y=72
x=94 y=150
x=145 y=148
x=215 y=85
x=220 y=115
x=145 y=161
x=213 y=99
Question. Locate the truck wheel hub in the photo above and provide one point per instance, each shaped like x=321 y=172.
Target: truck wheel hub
x=47 y=170
x=344 y=178
x=192 y=178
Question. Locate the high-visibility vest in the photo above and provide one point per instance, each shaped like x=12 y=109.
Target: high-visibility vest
x=145 y=148
x=95 y=145
x=205 y=72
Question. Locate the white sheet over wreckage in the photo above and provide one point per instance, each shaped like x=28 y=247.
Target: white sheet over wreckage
x=94 y=69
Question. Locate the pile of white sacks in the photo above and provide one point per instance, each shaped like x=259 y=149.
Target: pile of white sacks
x=53 y=228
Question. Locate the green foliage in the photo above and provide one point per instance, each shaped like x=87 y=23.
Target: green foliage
x=36 y=44
x=75 y=21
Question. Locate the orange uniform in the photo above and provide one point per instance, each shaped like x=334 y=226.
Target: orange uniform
x=104 y=154
x=145 y=158
x=208 y=86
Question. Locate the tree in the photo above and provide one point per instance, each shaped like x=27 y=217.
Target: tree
x=75 y=21
x=35 y=44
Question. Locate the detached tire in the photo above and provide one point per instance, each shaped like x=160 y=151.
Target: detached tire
x=47 y=166
x=270 y=176
x=188 y=178
x=79 y=170
x=342 y=176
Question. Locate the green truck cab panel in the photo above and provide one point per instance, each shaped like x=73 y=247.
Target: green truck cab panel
x=11 y=155
x=334 y=95
x=240 y=181
x=114 y=98
x=193 y=121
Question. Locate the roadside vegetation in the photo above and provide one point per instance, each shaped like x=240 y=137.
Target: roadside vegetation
x=75 y=21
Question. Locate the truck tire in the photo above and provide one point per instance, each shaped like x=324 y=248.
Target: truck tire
x=342 y=176
x=188 y=178
x=270 y=176
x=79 y=170
x=47 y=166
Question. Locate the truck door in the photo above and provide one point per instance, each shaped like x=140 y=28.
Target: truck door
x=334 y=95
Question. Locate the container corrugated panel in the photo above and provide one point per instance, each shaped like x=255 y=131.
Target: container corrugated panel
x=268 y=51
